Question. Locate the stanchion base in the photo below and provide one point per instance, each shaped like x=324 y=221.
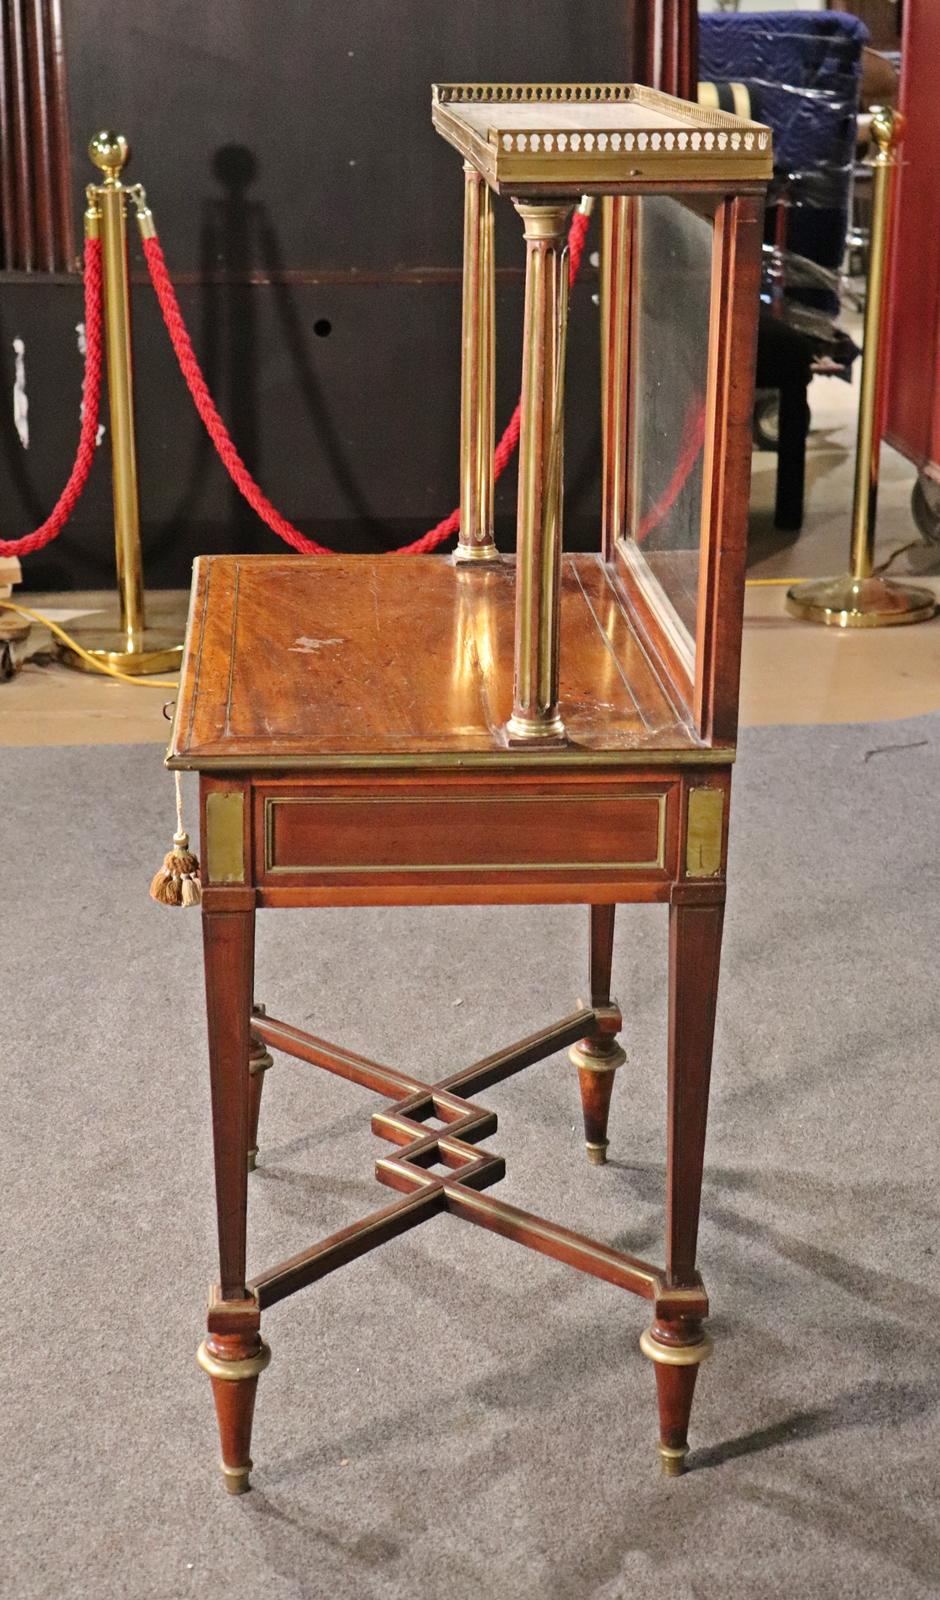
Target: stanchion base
x=155 y=650
x=849 y=602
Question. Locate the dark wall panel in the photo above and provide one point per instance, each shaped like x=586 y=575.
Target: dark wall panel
x=313 y=219
x=331 y=101
x=362 y=454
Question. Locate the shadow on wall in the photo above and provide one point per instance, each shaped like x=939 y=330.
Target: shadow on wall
x=239 y=246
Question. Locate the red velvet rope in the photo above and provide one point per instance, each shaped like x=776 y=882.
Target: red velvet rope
x=232 y=461
x=690 y=445
x=91 y=396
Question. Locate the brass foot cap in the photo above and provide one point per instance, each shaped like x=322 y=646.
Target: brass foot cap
x=253 y=1158
x=597 y=1152
x=673 y=1460
x=237 y=1480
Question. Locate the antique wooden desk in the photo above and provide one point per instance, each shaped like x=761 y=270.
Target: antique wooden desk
x=428 y=731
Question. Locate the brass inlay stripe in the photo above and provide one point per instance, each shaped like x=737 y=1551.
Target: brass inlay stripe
x=272 y=801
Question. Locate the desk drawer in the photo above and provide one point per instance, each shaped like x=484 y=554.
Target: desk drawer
x=503 y=829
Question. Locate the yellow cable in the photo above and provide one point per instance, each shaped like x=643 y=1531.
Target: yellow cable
x=766 y=583
x=99 y=666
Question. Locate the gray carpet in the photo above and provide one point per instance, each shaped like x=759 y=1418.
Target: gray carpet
x=454 y=1416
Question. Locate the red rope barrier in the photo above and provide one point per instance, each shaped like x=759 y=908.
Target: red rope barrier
x=229 y=456
x=91 y=396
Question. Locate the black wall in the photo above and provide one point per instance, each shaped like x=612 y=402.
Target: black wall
x=312 y=218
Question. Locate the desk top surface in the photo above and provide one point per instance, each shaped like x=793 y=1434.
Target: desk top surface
x=317 y=661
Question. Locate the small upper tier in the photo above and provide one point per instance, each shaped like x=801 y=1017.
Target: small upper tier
x=577 y=138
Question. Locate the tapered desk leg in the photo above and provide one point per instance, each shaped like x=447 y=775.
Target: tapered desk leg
x=678 y=1346
x=598 y=1055
x=233 y=1353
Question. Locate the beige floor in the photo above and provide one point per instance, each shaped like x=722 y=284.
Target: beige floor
x=793 y=671
x=801 y=672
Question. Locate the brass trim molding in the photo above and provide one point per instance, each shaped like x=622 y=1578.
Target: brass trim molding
x=272 y=801
x=514 y=758
x=614 y=1058
x=234 y=1371
x=675 y=1355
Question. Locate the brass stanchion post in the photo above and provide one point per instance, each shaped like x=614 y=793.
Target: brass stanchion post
x=125 y=642
x=860 y=599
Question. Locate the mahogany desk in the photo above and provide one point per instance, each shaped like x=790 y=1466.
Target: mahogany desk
x=345 y=715
x=436 y=731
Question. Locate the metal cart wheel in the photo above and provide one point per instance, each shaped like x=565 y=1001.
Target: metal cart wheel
x=767 y=420
x=925 y=507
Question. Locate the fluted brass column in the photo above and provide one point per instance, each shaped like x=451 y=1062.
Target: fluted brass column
x=615 y=325
x=477 y=431
x=535 y=716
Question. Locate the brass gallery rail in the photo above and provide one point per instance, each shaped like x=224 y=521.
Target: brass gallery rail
x=438 y=1127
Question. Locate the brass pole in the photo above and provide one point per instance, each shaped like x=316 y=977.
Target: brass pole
x=861 y=599
x=477 y=427
x=535 y=715
x=110 y=157
x=868 y=452
x=131 y=645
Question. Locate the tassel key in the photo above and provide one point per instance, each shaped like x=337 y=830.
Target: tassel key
x=177 y=882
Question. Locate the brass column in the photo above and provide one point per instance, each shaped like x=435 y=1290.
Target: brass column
x=535 y=715
x=477 y=430
x=861 y=599
x=129 y=645
x=615 y=328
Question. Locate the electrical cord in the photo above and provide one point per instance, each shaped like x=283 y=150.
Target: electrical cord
x=93 y=662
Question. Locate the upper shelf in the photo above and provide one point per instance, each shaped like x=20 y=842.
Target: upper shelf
x=575 y=138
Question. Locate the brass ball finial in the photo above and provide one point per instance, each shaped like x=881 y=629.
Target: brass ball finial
x=887 y=129
x=110 y=152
